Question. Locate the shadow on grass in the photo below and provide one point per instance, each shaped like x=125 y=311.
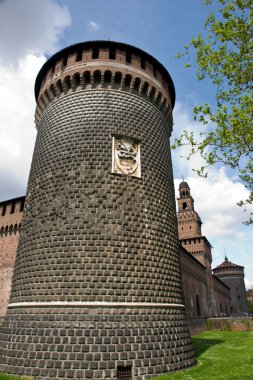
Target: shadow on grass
x=201 y=344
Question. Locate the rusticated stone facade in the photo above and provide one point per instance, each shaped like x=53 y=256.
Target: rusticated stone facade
x=97 y=288
x=10 y=221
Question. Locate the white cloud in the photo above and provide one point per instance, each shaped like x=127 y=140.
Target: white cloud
x=248 y=284
x=93 y=26
x=17 y=130
x=28 y=30
x=30 y=27
x=215 y=200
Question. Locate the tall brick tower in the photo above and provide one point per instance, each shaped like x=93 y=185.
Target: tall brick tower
x=191 y=238
x=233 y=276
x=96 y=288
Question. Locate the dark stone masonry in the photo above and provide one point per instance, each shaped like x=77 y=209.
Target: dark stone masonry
x=97 y=290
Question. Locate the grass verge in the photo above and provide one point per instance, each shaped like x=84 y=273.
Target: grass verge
x=221 y=355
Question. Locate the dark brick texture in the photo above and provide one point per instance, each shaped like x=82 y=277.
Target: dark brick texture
x=93 y=236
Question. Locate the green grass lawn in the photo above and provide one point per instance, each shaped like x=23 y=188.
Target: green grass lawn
x=4 y=376
x=221 y=355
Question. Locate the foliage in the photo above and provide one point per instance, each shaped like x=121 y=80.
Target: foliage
x=224 y=56
x=220 y=356
x=251 y=307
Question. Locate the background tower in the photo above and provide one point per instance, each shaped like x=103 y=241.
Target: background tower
x=189 y=228
x=96 y=288
x=10 y=222
x=233 y=276
x=191 y=238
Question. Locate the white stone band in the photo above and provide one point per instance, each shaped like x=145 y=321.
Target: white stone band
x=95 y=304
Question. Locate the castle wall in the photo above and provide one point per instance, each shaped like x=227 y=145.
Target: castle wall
x=10 y=220
x=194 y=286
x=221 y=298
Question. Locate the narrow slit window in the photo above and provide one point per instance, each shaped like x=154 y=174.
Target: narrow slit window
x=95 y=53
x=64 y=62
x=79 y=55
x=3 y=210
x=128 y=57
x=12 y=208
x=112 y=53
x=143 y=66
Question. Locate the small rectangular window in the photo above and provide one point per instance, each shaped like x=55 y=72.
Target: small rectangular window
x=3 y=209
x=64 y=62
x=112 y=53
x=128 y=57
x=95 y=53
x=12 y=208
x=124 y=373
x=22 y=205
x=79 y=55
x=143 y=63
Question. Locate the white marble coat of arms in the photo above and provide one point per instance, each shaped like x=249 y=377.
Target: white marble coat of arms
x=126 y=156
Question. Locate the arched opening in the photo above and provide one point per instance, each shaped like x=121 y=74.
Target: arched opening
x=107 y=79
x=76 y=83
x=128 y=81
x=58 y=88
x=152 y=93
x=86 y=79
x=145 y=89
x=52 y=92
x=97 y=79
x=66 y=84
x=136 y=86
x=184 y=206
x=117 y=80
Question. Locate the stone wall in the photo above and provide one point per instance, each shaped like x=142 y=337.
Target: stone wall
x=230 y=324
x=10 y=220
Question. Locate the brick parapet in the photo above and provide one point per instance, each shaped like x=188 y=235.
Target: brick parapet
x=76 y=68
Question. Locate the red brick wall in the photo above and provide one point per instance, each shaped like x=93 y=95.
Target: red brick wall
x=10 y=220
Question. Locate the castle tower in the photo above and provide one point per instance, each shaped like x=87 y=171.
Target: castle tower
x=189 y=228
x=96 y=289
x=191 y=238
x=233 y=276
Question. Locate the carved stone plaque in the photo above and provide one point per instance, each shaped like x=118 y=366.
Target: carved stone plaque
x=126 y=156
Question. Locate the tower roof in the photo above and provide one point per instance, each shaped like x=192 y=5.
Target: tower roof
x=228 y=264
x=184 y=185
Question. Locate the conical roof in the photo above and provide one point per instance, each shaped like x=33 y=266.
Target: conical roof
x=227 y=264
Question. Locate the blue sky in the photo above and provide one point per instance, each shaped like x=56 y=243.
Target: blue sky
x=33 y=30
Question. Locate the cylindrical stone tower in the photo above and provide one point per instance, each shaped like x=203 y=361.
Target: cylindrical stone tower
x=233 y=276
x=96 y=288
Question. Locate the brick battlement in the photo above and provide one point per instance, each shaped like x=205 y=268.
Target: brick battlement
x=108 y=66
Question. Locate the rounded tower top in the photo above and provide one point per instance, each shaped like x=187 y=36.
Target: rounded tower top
x=105 y=65
x=184 y=185
x=228 y=268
